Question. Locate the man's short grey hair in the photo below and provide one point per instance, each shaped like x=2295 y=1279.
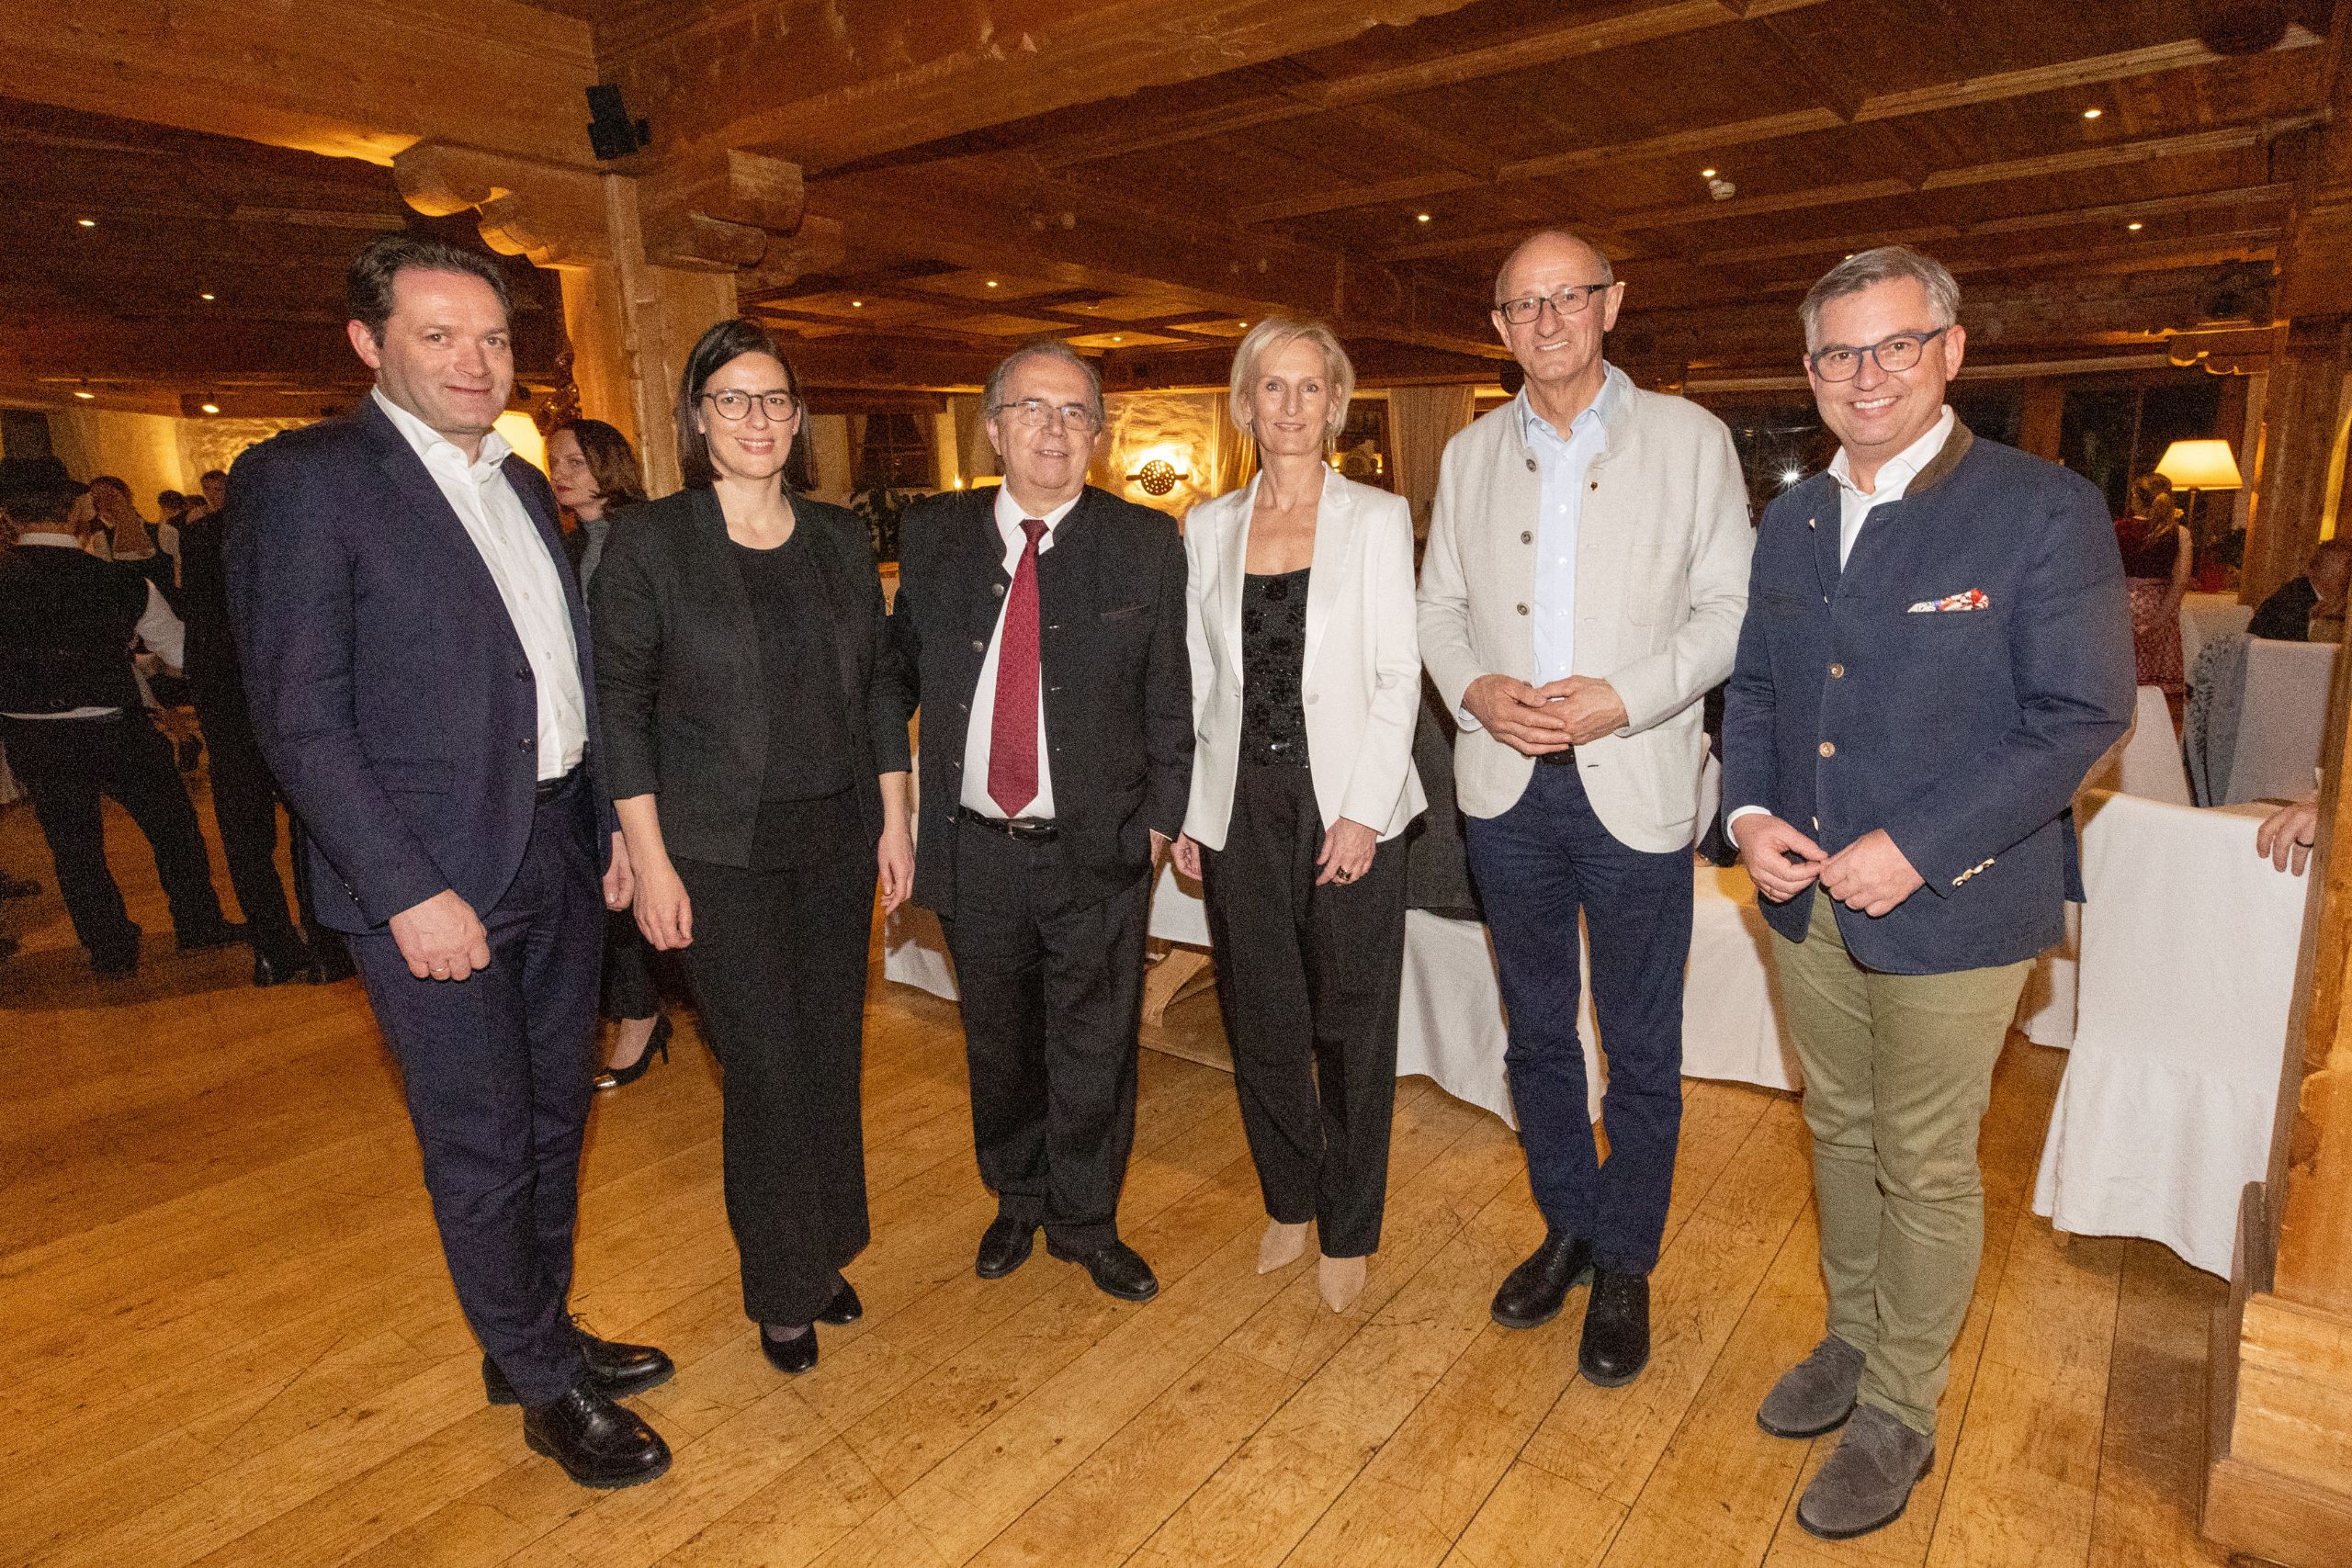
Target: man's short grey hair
x=1868 y=269
x=992 y=397
x=1608 y=273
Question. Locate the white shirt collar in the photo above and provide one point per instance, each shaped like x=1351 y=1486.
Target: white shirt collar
x=424 y=439
x=1008 y=515
x=1600 y=411
x=49 y=536
x=1895 y=475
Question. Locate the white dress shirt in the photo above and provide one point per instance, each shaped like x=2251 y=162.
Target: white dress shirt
x=1563 y=463
x=524 y=570
x=1854 y=507
x=1008 y=518
x=158 y=628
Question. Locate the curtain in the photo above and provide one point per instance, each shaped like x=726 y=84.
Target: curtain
x=1421 y=419
x=1236 y=454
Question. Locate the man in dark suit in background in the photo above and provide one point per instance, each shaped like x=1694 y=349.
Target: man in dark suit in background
x=416 y=659
x=1041 y=627
x=1937 y=648
x=2318 y=595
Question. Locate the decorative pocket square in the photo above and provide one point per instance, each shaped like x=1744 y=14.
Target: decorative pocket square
x=1972 y=600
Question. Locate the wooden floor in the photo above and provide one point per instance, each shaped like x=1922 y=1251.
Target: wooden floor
x=231 y=1341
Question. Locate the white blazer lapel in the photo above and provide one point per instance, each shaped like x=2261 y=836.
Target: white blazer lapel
x=1233 y=565
x=1334 y=538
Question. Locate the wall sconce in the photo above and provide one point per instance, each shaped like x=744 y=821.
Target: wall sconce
x=1158 y=476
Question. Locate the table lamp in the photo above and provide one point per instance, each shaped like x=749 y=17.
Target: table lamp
x=2194 y=465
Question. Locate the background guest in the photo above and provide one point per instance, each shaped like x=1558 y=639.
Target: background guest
x=131 y=539
x=595 y=473
x=1306 y=683
x=759 y=764
x=2156 y=561
x=2288 y=615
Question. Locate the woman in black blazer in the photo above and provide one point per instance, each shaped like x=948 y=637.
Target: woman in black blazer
x=760 y=772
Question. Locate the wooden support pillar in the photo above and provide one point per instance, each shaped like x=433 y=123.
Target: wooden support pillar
x=2278 y=1482
x=2045 y=408
x=2306 y=405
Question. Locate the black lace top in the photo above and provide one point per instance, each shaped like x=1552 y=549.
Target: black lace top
x=1273 y=653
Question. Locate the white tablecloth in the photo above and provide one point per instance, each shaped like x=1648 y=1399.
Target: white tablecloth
x=2189 y=944
x=1451 y=1026
x=2203 y=618
x=2282 y=720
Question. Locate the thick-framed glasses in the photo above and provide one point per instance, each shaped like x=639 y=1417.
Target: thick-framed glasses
x=1036 y=412
x=734 y=405
x=1893 y=356
x=1564 y=302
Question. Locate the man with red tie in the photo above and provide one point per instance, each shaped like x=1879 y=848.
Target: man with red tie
x=1040 y=627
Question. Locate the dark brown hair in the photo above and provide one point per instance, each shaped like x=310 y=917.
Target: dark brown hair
x=722 y=345
x=612 y=461
x=368 y=285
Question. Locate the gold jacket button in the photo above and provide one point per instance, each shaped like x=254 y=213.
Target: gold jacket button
x=1837 y=672
x=1830 y=749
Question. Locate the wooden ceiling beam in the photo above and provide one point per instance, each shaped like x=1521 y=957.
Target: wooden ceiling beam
x=1544 y=45
x=1835 y=112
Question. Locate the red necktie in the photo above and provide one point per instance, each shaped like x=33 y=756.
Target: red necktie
x=1013 y=731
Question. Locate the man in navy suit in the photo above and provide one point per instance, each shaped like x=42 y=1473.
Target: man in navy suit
x=1938 y=648
x=416 y=657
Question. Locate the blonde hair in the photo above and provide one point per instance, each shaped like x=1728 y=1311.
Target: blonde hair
x=1268 y=338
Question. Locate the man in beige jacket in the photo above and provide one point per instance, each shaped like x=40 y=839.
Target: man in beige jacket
x=1585 y=577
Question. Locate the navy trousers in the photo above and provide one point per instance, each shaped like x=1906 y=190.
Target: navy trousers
x=1539 y=867
x=496 y=1067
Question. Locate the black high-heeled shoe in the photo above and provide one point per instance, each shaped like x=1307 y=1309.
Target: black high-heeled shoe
x=613 y=1078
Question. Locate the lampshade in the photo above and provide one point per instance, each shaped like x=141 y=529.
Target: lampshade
x=2199 y=465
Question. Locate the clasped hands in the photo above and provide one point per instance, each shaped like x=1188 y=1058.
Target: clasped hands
x=1575 y=711
x=1871 y=874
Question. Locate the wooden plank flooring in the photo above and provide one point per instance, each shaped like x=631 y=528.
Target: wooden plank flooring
x=236 y=1345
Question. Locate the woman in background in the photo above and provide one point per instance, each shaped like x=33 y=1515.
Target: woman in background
x=595 y=473
x=2157 y=564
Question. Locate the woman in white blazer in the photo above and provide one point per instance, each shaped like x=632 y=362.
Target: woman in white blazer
x=1306 y=680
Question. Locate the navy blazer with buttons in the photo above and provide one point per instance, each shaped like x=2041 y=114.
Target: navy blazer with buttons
x=1964 y=733
x=390 y=691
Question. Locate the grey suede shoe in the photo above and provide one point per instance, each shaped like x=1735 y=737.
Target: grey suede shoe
x=1816 y=1394
x=1868 y=1482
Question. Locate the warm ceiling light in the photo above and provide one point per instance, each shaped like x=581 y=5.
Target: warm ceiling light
x=211 y=408
x=1420 y=217
x=85 y=396
x=1245 y=323
x=205 y=297
x=2136 y=228
x=1706 y=174
x=2093 y=114
x=991 y=283
x=1116 y=338
x=857 y=304
x=87 y=222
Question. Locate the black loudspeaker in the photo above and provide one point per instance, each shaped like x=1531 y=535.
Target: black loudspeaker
x=610 y=130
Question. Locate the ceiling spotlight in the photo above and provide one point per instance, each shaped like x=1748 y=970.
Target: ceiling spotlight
x=991 y=283
x=1790 y=477
x=205 y=297
x=1420 y=217
x=2093 y=114
x=1706 y=174
x=1245 y=323
x=211 y=408
x=87 y=222
x=1116 y=338
x=857 y=304
x=85 y=396
x=2136 y=228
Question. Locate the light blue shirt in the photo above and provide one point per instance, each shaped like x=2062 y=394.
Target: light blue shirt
x=1565 y=464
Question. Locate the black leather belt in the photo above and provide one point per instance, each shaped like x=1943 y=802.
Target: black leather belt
x=1028 y=829
x=547 y=789
x=1566 y=759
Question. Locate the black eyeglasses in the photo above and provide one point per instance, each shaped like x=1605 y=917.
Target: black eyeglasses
x=1564 y=302
x=734 y=405
x=1893 y=356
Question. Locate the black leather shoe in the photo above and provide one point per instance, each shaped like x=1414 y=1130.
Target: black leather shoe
x=1004 y=1246
x=274 y=968
x=1118 y=1270
x=614 y=1370
x=597 y=1442
x=1616 y=1344
x=844 y=1307
x=205 y=938
x=617 y=1077
x=116 y=962
x=1532 y=1293
x=333 y=959
x=790 y=1357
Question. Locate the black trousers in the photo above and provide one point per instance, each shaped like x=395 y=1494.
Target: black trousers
x=68 y=766
x=778 y=967
x=1052 y=1000
x=1308 y=980
x=244 y=806
x=496 y=1069
x=629 y=988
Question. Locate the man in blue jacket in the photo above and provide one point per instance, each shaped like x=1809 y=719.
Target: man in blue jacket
x=415 y=656
x=1937 y=650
